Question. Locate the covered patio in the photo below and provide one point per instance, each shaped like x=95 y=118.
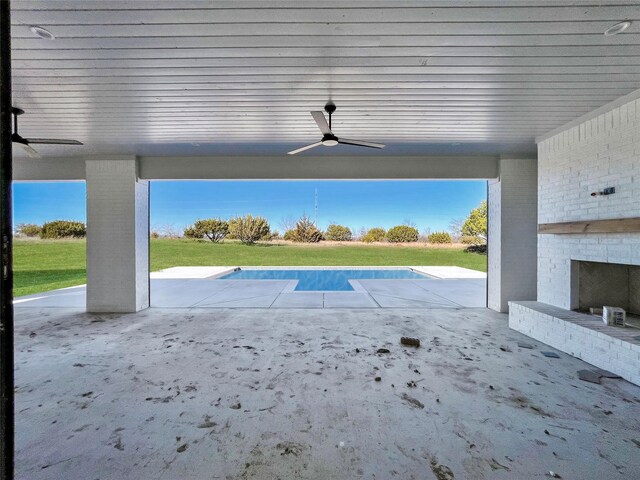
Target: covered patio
x=162 y=376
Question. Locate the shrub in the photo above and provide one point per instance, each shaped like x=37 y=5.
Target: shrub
x=289 y=235
x=155 y=234
x=63 y=229
x=471 y=240
x=402 y=234
x=249 y=229
x=338 y=233
x=481 y=249
x=374 y=235
x=214 y=229
x=28 y=230
x=439 y=237
x=304 y=231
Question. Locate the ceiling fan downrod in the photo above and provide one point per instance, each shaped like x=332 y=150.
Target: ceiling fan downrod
x=330 y=107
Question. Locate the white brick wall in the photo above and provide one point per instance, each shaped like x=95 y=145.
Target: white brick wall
x=512 y=233
x=601 y=152
x=117 y=237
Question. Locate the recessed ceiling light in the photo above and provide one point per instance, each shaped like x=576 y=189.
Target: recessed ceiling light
x=42 y=32
x=617 y=28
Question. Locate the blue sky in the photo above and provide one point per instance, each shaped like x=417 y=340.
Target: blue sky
x=428 y=204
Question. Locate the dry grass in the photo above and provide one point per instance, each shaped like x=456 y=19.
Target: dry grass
x=328 y=243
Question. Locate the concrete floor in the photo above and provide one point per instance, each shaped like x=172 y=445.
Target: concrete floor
x=266 y=394
x=196 y=287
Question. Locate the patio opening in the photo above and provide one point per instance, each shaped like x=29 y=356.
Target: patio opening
x=324 y=244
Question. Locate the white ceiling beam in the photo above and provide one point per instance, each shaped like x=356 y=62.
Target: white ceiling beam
x=282 y=167
x=326 y=167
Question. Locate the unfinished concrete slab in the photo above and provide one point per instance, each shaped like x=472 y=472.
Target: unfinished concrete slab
x=171 y=393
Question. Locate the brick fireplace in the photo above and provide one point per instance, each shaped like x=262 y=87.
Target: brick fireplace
x=592 y=255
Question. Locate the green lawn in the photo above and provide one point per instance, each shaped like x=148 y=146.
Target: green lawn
x=49 y=264
x=41 y=265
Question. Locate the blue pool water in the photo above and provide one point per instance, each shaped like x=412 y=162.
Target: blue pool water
x=325 y=280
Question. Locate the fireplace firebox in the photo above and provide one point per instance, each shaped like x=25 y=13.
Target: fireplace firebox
x=596 y=284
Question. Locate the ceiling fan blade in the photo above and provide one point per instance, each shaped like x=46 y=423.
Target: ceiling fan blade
x=53 y=141
x=322 y=122
x=30 y=151
x=293 y=152
x=360 y=143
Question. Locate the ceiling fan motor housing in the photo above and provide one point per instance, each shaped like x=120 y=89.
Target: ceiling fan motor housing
x=329 y=140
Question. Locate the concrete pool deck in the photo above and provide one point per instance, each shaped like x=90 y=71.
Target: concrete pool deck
x=199 y=287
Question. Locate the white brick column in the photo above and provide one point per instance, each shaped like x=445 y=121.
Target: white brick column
x=512 y=233
x=117 y=236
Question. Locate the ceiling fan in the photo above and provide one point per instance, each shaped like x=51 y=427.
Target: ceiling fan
x=328 y=138
x=26 y=142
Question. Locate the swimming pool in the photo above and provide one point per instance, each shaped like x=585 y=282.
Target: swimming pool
x=323 y=280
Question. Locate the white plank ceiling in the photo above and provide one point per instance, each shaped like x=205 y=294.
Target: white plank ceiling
x=202 y=77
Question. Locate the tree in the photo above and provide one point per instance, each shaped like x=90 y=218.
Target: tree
x=476 y=223
x=249 y=229
x=214 y=229
x=409 y=223
x=455 y=228
x=338 y=233
x=288 y=223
